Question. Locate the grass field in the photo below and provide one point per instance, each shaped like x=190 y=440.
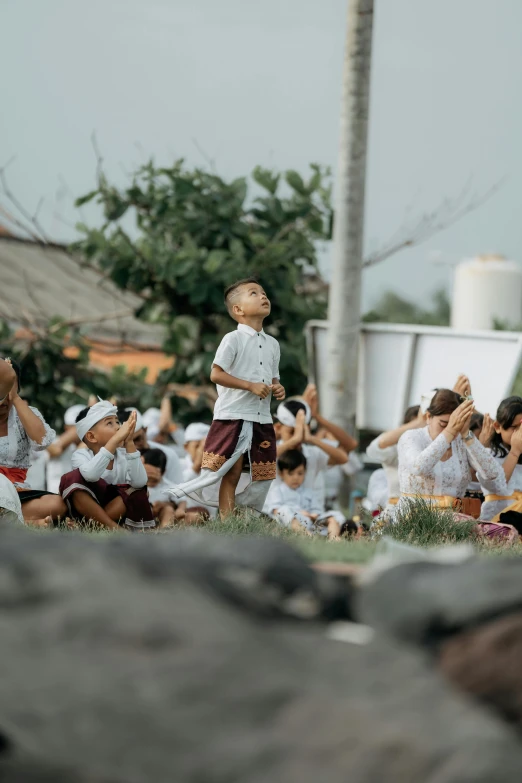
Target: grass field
x=423 y=526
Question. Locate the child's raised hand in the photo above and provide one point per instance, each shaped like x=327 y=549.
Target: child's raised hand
x=278 y=391
x=126 y=431
x=488 y=430
x=260 y=390
x=462 y=386
x=516 y=442
x=311 y=397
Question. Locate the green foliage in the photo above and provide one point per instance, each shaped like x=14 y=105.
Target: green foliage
x=195 y=233
x=52 y=381
x=423 y=524
x=392 y=308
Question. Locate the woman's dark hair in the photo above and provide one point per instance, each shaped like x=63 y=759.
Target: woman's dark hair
x=477 y=421
x=18 y=372
x=291 y=460
x=294 y=406
x=82 y=414
x=444 y=402
x=411 y=414
x=156 y=458
x=507 y=412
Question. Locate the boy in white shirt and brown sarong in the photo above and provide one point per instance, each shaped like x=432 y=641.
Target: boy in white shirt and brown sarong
x=109 y=482
x=241 y=438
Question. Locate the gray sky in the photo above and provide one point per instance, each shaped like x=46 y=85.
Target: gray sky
x=259 y=83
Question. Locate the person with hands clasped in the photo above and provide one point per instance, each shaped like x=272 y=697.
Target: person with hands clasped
x=436 y=462
x=504 y=437
x=241 y=438
x=108 y=483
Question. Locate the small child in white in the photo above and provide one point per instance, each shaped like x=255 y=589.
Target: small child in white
x=294 y=505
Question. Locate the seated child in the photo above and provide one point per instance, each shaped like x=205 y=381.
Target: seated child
x=163 y=509
x=294 y=505
x=195 y=436
x=108 y=483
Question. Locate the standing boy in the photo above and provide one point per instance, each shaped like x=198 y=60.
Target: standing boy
x=241 y=438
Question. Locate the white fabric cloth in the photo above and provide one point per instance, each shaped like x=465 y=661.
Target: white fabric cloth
x=205 y=488
x=285 y=504
x=421 y=471
x=127 y=468
x=161 y=492
x=500 y=487
x=174 y=470
x=97 y=412
x=196 y=431
x=251 y=356
x=150 y=420
x=10 y=506
x=389 y=459
x=58 y=467
x=328 y=482
x=37 y=473
x=377 y=493
x=71 y=414
x=188 y=469
x=16 y=447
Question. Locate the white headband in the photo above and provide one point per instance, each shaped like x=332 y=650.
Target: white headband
x=101 y=410
x=286 y=416
x=196 y=431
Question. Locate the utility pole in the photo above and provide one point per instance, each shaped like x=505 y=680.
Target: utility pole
x=344 y=311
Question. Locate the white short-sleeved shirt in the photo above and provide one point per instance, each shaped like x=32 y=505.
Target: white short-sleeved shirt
x=251 y=356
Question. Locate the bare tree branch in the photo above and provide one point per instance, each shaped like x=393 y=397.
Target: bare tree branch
x=449 y=212
x=32 y=220
x=99 y=158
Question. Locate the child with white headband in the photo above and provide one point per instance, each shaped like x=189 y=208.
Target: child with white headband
x=108 y=483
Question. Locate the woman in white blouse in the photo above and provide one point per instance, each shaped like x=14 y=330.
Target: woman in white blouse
x=436 y=462
x=505 y=440
x=22 y=430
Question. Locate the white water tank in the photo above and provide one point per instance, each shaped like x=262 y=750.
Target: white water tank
x=485 y=289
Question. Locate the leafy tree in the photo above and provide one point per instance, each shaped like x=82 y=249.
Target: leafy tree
x=394 y=309
x=52 y=381
x=195 y=233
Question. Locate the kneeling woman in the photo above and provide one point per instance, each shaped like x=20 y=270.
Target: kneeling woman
x=22 y=430
x=436 y=462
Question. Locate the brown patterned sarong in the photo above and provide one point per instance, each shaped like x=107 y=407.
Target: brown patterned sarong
x=222 y=440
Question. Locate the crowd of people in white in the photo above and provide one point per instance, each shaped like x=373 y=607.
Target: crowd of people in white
x=444 y=452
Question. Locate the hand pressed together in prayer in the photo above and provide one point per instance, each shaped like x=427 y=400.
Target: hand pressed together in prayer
x=488 y=430
x=459 y=420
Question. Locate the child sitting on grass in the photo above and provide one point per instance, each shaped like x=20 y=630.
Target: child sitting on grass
x=108 y=483
x=294 y=505
x=163 y=509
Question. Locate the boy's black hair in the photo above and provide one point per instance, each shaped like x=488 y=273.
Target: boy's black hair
x=231 y=288
x=82 y=414
x=156 y=458
x=507 y=412
x=123 y=415
x=291 y=460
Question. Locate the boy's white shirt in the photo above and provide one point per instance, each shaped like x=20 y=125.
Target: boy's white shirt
x=301 y=499
x=251 y=356
x=127 y=468
x=174 y=469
